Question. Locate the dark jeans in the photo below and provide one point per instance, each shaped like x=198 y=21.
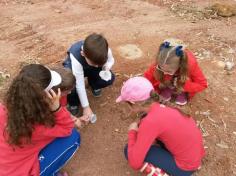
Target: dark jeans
x=162 y=158
x=95 y=83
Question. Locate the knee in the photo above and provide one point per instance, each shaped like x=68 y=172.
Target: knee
x=76 y=136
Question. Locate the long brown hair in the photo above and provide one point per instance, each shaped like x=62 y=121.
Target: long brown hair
x=167 y=53
x=26 y=104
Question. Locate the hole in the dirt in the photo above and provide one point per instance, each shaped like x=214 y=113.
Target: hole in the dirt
x=130 y=51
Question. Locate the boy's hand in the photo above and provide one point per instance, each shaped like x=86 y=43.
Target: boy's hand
x=105 y=68
x=87 y=112
x=54 y=99
x=84 y=118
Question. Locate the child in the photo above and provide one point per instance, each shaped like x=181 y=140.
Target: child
x=179 y=147
x=36 y=133
x=176 y=72
x=66 y=86
x=90 y=58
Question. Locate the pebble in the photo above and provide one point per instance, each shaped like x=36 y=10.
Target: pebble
x=116 y=130
x=223 y=146
x=232 y=88
x=57 y=11
x=226 y=99
x=221 y=64
x=229 y=66
x=231 y=51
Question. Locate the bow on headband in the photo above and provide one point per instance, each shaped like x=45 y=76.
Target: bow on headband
x=178 y=49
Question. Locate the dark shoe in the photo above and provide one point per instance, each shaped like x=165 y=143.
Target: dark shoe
x=97 y=92
x=74 y=110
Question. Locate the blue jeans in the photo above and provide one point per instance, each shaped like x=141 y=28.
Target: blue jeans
x=163 y=159
x=55 y=155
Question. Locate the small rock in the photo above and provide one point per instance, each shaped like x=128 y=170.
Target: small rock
x=226 y=99
x=223 y=146
x=234 y=132
x=231 y=51
x=229 y=66
x=58 y=11
x=5 y=75
x=221 y=64
x=117 y=74
x=127 y=173
x=117 y=130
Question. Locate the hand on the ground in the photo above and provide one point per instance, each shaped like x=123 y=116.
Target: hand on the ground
x=84 y=118
x=54 y=99
x=133 y=126
x=87 y=112
x=77 y=121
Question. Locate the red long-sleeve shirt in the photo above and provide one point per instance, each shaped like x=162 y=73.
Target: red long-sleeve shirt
x=196 y=81
x=180 y=135
x=24 y=161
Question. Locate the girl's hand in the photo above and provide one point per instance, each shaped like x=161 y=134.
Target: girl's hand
x=77 y=122
x=133 y=126
x=54 y=99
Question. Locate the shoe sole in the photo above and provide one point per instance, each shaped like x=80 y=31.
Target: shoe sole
x=97 y=95
x=164 y=99
x=179 y=103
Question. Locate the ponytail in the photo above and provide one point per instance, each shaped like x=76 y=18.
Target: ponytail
x=27 y=106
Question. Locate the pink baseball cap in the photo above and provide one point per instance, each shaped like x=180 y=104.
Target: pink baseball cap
x=135 y=89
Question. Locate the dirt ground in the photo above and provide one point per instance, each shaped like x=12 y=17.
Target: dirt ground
x=33 y=31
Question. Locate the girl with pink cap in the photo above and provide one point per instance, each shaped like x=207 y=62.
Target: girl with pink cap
x=164 y=137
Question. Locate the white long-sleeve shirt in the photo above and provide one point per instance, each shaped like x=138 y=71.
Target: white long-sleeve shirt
x=78 y=72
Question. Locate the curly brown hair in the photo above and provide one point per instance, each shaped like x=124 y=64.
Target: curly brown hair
x=27 y=104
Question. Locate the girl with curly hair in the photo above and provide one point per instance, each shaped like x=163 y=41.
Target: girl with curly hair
x=36 y=133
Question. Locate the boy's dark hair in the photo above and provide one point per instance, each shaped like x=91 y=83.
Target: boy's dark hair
x=27 y=104
x=96 y=48
x=67 y=79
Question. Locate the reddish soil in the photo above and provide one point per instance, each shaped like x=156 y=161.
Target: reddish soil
x=42 y=30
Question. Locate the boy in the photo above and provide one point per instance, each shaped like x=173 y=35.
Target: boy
x=89 y=58
x=67 y=85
